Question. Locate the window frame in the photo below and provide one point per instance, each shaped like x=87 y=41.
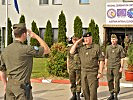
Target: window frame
x=56 y=4
x=40 y=3
x=3 y=2
x=127 y=0
x=84 y=3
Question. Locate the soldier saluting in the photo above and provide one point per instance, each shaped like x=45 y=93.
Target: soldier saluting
x=17 y=61
x=91 y=65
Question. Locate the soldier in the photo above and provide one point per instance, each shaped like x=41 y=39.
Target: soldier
x=90 y=54
x=114 y=64
x=127 y=43
x=17 y=61
x=73 y=65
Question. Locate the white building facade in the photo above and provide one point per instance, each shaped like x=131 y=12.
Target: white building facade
x=43 y=10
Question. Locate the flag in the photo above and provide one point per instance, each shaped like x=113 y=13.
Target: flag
x=16 y=5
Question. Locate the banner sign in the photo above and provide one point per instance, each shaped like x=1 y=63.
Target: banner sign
x=119 y=13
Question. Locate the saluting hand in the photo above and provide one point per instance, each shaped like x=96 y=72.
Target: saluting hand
x=31 y=34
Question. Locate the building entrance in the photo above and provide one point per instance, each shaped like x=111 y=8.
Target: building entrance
x=119 y=31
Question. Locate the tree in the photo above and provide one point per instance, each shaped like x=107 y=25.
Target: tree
x=10 y=38
x=96 y=39
x=48 y=36
x=34 y=28
x=62 y=28
x=78 y=27
x=22 y=20
x=94 y=29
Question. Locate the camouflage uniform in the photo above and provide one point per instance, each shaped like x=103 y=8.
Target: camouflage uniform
x=74 y=72
x=114 y=54
x=127 y=44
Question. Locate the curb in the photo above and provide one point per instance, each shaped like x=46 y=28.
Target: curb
x=68 y=82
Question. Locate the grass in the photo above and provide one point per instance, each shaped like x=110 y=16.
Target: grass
x=40 y=68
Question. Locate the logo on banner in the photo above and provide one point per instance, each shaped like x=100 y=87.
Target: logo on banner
x=121 y=12
x=130 y=13
x=111 y=13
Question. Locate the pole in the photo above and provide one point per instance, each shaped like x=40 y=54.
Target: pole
x=6 y=35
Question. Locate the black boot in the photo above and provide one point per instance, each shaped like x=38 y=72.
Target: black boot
x=116 y=98
x=111 y=97
x=78 y=96
x=74 y=96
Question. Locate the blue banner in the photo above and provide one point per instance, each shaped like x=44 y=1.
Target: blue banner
x=16 y=5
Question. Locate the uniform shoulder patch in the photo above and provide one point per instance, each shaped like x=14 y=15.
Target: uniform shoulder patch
x=36 y=48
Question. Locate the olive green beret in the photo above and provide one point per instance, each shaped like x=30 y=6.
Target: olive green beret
x=113 y=36
x=19 y=28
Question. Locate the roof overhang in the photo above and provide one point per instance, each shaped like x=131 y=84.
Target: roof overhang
x=117 y=26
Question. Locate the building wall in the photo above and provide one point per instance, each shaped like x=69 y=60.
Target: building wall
x=31 y=9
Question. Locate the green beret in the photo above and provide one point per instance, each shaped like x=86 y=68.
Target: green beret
x=113 y=36
x=19 y=28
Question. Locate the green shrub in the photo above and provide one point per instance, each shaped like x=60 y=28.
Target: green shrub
x=130 y=57
x=57 y=60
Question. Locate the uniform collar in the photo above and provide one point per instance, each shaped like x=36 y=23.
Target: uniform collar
x=115 y=46
x=89 y=46
x=17 y=41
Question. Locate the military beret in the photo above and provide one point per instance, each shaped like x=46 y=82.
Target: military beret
x=113 y=36
x=19 y=28
x=87 y=34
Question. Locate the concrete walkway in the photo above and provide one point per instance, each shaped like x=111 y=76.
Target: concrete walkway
x=54 y=91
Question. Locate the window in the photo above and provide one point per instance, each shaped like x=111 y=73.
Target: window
x=127 y=0
x=42 y=31
x=57 y=2
x=4 y=2
x=84 y=1
x=41 y=2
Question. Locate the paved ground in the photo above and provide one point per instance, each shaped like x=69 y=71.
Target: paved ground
x=53 y=91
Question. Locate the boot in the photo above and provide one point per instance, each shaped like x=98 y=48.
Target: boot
x=78 y=96
x=111 y=97
x=116 y=98
x=74 y=96
x=82 y=95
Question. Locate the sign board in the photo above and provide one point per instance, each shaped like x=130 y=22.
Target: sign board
x=119 y=13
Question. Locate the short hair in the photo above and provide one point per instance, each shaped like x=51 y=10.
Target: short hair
x=113 y=36
x=19 y=29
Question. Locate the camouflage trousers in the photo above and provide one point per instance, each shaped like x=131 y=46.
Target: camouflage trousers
x=75 y=80
x=113 y=77
x=15 y=92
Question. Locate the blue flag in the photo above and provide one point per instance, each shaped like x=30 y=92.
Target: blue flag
x=16 y=5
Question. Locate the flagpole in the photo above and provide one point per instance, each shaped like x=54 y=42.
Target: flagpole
x=6 y=35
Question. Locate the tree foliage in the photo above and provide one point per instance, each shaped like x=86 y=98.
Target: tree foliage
x=57 y=60
x=22 y=20
x=62 y=28
x=94 y=29
x=10 y=38
x=78 y=27
x=48 y=36
x=34 y=28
